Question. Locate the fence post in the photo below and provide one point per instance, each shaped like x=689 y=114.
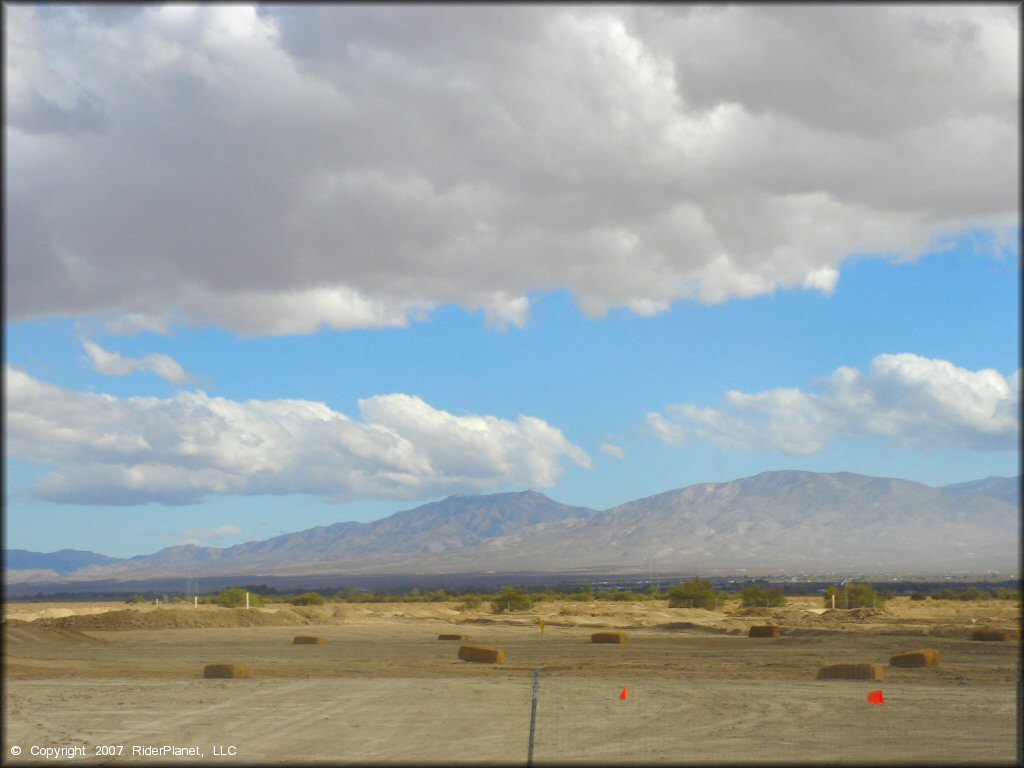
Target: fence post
x=533 y=716
x=1020 y=730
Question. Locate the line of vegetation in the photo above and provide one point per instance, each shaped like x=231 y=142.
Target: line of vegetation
x=695 y=593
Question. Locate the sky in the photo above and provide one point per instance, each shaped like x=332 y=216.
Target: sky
x=272 y=268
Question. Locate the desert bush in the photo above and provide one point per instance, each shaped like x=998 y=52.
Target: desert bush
x=855 y=596
x=510 y=599
x=973 y=593
x=919 y=595
x=757 y=596
x=470 y=602
x=695 y=594
x=944 y=594
x=137 y=598
x=308 y=598
x=234 y=597
x=1005 y=593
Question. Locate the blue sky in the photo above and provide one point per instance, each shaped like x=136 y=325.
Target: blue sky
x=397 y=312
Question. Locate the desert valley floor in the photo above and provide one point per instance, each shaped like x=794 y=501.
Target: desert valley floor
x=687 y=686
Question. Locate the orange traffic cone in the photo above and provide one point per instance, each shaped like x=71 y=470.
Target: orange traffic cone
x=625 y=693
x=876 y=697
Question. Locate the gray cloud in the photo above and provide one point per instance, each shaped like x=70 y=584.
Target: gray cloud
x=124 y=451
x=911 y=400
x=281 y=170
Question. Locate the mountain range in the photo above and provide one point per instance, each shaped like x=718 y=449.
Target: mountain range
x=772 y=523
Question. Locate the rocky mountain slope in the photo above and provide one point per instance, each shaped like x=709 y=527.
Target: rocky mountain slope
x=774 y=522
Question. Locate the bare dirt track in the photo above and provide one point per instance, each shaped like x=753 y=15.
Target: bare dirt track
x=384 y=688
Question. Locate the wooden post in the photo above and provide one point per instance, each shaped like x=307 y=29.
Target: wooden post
x=533 y=716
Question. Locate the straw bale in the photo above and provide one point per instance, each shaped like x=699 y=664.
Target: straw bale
x=453 y=637
x=482 y=655
x=227 y=670
x=618 y=638
x=925 y=657
x=309 y=640
x=992 y=634
x=765 y=630
x=851 y=672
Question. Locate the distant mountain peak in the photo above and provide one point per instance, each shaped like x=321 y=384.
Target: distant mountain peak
x=779 y=521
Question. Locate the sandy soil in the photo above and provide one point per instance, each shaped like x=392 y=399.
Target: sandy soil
x=384 y=688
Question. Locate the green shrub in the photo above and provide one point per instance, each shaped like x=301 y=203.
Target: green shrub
x=757 y=596
x=309 y=598
x=234 y=597
x=1006 y=593
x=973 y=593
x=469 y=602
x=695 y=594
x=919 y=595
x=510 y=599
x=137 y=598
x=855 y=596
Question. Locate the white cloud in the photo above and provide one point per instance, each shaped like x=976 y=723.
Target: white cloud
x=116 y=364
x=282 y=169
x=912 y=400
x=614 y=451
x=134 y=450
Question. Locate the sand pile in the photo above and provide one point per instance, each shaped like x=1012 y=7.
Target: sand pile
x=27 y=633
x=172 y=618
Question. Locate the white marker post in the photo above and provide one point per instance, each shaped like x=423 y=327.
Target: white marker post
x=195 y=601
x=247 y=601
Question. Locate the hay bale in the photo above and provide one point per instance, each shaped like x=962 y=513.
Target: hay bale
x=926 y=657
x=851 y=672
x=309 y=640
x=999 y=635
x=765 y=630
x=618 y=638
x=453 y=637
x=482 y=655
x=227 y=670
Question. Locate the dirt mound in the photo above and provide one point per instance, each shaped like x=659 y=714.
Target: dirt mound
x=27 y=633
x=752 y=611
x=172 y=618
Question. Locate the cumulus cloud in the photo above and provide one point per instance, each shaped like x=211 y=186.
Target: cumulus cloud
x=281 y=169
x=912 y=400
x=110 y=450
x=116 y=364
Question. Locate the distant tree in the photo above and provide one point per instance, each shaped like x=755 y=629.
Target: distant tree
x=1006 y=593
x=694 y=594
x=854 y=596
x=469 y=602
x=510 y=599
x=973 y=593
x=758 y=596
x=309 y=598
x=234 y=597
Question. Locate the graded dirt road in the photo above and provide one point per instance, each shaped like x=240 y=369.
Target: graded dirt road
x=384 y=688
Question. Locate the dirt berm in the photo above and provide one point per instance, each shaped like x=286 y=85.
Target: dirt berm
x=171 y=618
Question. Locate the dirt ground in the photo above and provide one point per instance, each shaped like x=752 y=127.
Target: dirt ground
x=103 y=678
